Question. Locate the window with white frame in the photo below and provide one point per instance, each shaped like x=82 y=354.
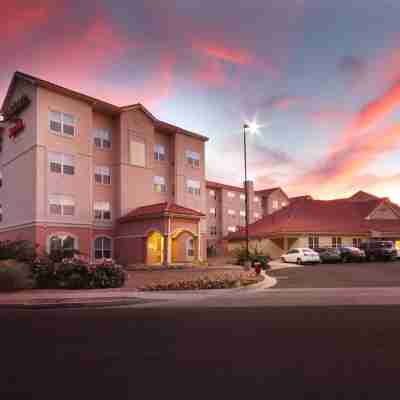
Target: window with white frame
x=193 y=187
x=212 y=194
x=213 y=230
x=102 y=210
x=102 y=247
x=357 y=242
x=336 y=241
x=60 y=204
x=242 y=213
x=159 y=184
x=275 y=204
x=256 y=199
x=256 y=215
x=159 y=152
x=283 y=204
x=313 y=242
x=231 y=212
x=193 y=158
x=60 y=163
x=242 y=197
x=190 y=247
x=62 y=123
x=231 y=228
x=102 y=138
x=213 y=211
x=102 y=175
x=62 y=242
x=137 y=153
x=231 y=195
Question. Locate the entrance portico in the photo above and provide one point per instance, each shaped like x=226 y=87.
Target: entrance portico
x=160 y=234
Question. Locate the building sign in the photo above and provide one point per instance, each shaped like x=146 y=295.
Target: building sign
x=19 y=126
x=16 y=107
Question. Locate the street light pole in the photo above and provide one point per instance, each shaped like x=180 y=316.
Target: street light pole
x=246 y=199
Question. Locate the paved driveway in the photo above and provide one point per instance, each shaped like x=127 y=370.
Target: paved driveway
x=379 y=274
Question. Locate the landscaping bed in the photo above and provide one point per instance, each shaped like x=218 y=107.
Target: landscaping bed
x=191 y=279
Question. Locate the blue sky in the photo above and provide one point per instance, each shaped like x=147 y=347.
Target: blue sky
x=320 y=77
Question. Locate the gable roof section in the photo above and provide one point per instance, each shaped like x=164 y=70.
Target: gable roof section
x=320 y=217
x=217 y=185
x=268 y=192
x=96 y=103
x=160 y=210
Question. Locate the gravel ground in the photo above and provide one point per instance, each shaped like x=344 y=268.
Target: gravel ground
x=339 y=275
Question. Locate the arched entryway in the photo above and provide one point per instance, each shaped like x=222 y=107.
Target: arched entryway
x=154 y=248
x=184 y=247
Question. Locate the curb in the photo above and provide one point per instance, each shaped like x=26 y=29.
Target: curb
x=40 y=305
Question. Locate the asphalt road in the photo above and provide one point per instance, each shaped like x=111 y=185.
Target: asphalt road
x=248 y=352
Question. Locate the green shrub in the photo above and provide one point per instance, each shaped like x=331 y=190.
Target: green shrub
x=254 y=256
x=77 y=274
x=21 y=250
x=14 y=275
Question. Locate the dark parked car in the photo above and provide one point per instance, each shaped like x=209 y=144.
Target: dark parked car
x=379 y=250
x=329 y=255
x=349 y=254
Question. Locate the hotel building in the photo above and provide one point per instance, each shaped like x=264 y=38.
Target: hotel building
x=109 y=181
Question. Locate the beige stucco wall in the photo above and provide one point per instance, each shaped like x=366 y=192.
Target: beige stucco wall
x=18 y=164
x=267 y=202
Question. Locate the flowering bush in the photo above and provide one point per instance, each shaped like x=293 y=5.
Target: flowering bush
x=220 y=282
x=77 y=274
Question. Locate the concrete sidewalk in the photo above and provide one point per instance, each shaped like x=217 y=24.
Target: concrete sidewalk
x=53 y=298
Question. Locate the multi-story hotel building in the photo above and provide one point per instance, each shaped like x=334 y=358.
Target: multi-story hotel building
x=109 y=181
x=226 y=209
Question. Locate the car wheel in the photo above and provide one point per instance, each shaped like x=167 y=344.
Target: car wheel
x=344 y=260
x=298 y=261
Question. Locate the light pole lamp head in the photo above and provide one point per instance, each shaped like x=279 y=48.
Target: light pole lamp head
x=245 y=126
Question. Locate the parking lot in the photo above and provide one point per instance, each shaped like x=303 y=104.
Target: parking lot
x=367 y=274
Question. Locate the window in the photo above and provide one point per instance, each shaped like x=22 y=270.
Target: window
x=61 y=164
x=159 y=184
x=242 y=197
x=102 y=248
x=213 y=211
x=256 y=215
x=62 y=123
x=213 y=230
x=313 y=242
x=231 y=212
x=357 y=242
x=231 y=195
x=336 y=242
x=159 y=152
x=61 y=205
x=137 y=153
x=283 y=204
x=275 y=204
x=1 y=179
x=212 y=194
x=1 y=212
x=62 y=242
x=256 y=199
x=102 y=210
x=102 y=175
x=231 y=228
x=193 y=158
x=102 y=138
x=193 y=187
x=242 y=213
x=190 y=247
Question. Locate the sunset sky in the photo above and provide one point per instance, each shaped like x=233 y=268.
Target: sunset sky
x=322 y=77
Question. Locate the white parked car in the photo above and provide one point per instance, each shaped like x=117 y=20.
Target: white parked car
x=398 y=252
x=301 y=256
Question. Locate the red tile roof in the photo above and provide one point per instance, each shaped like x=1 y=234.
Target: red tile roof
x=160 y=210
x=340 y=217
